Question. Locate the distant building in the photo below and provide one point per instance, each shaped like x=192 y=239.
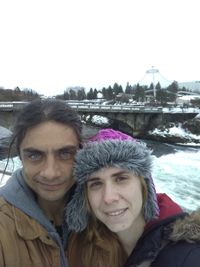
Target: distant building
x=99 y=95
x=186 y=99
x=190 y=86
x=153 y=76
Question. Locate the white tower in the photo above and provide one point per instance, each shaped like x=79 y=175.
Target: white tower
x=153 y=72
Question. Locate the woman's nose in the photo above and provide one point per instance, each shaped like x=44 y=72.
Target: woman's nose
x=110 y=194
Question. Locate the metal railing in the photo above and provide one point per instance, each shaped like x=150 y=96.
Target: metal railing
x=11 y=106
x=8 y=106
x=14 y=106
x=115 y=108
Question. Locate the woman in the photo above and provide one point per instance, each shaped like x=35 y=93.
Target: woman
x=118 y=218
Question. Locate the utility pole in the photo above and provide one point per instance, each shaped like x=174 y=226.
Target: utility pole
x=153 y=72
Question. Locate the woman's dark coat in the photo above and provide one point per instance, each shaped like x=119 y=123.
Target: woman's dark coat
x=170 y=242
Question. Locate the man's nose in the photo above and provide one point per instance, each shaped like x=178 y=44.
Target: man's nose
x=51 y=169
x=110 y=194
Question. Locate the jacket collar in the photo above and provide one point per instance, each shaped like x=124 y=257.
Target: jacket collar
x=167 y=207
x=187 y=228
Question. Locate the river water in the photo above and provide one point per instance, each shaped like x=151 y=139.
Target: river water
x=176 y=172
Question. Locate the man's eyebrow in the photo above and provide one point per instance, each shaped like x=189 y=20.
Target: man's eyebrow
x=68 y=147
x=31 y=149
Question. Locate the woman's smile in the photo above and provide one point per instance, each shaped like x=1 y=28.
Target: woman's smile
x=116 y=212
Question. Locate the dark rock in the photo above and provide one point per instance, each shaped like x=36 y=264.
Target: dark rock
x=193 y=125
x=4 y=132
x=173 y=139
x=5 y=135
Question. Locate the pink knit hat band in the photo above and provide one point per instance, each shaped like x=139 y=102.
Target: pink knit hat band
x=107 y=134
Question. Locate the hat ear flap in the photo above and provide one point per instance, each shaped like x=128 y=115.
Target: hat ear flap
x=151 y=208
x=76 y=215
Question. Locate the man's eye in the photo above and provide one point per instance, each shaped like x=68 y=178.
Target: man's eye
x=34 y=156
x=67 y=154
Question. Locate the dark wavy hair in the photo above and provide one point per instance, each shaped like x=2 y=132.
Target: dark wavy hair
x=39 y=111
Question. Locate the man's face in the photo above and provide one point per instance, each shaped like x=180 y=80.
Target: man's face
x=47 y=152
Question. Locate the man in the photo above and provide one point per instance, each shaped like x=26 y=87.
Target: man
x=46 y=135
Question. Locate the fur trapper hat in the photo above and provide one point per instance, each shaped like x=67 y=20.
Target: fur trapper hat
x=109 y=148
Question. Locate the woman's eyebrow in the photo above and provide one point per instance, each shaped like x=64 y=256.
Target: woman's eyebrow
x=119 y=173
x=92 y=179
x=95 y=178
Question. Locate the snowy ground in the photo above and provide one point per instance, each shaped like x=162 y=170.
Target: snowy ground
x=178 y=131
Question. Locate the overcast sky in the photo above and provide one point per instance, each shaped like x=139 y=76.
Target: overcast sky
x=50 y=45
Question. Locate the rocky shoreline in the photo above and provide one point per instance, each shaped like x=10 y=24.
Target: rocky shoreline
x=166 y=133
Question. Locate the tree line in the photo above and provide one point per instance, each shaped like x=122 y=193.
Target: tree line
x=18 y=95
x=138 y=93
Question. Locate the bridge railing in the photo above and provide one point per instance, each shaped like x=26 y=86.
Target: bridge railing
x=15 y=106
x=8 y=106
x=115 y=108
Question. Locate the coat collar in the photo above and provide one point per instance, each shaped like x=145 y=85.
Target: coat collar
x=182 y=227
x=187 y=228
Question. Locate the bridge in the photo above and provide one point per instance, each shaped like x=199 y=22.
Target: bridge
x=139 y=118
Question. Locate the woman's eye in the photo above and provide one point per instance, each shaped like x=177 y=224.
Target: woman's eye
x=94 y=185
x=121 y=178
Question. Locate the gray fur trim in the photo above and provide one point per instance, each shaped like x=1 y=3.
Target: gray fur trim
x=151 y=208
x=130 y=155
x=76 y=214
x=133 y=156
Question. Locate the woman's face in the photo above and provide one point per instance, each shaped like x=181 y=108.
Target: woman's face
x=115 y=197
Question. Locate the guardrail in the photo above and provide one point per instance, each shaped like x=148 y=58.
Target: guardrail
x=12 y=106
x=8 y=106
x=15 y=106
x=115 y=108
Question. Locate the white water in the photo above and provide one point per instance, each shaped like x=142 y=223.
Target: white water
x=176 y=174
